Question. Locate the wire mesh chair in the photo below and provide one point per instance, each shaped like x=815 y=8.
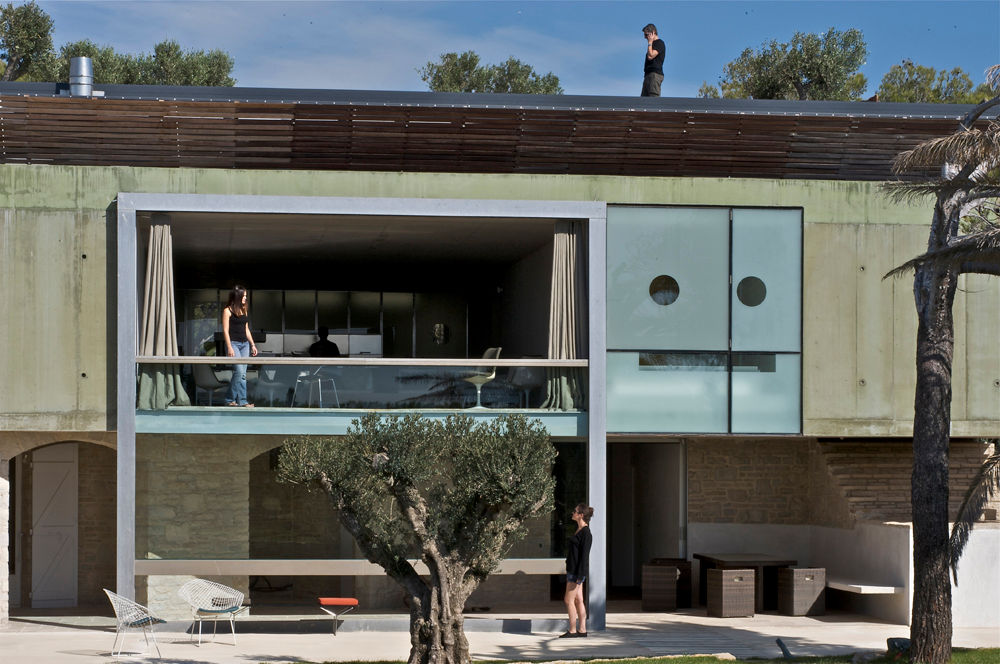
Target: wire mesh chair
x=212 y=601
x=131 y=615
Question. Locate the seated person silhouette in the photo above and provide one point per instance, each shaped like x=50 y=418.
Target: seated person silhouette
x=324 y=347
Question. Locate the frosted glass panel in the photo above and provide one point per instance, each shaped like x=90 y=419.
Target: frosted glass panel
x=767 y=280
x=667 y=392
x=766 y=393
x=668 y=278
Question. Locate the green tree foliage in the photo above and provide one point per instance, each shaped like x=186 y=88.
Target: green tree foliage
x=168 y=64
x=25 y=37
x=452 y=494
x=708 y=91
x=810 y=66
x=909 y=82
x=463 y=73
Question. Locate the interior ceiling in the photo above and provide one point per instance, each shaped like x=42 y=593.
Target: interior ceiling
x=200 y=238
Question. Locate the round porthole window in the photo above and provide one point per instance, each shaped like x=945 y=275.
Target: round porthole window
x=751 y=291
x=664 y=290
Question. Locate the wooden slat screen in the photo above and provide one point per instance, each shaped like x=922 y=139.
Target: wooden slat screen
x=104 y=132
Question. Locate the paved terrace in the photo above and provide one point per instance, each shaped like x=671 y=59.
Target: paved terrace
x=274 y=639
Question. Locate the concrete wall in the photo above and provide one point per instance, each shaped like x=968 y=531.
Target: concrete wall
x=876 y=553
x=859 y=335
x=859 y=331
x=974 y=598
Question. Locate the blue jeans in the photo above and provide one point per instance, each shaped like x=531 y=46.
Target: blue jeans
x=238 y=384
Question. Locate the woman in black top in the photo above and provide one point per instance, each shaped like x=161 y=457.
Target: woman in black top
x=239 y=343
x=577 y=569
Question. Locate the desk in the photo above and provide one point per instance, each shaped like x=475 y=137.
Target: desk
x=765 y=569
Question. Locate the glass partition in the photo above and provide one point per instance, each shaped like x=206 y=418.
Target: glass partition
x=382 y=384
x=766 y=393
x=767 y=280
x=668 y=278
x=667 y=392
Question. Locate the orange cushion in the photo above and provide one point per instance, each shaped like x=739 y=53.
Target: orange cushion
x=337 y=601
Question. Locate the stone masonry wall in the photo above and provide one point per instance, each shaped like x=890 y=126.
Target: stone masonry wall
x=289 y=521
x=803 y=481
x=192 y=501
x=96 y=557
x=874 y=476
x=748 y=481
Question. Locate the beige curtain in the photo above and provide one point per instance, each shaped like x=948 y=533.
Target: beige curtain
x=565 y=388
x=159 y=384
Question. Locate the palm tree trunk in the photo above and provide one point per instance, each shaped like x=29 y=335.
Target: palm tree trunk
x=931 y=628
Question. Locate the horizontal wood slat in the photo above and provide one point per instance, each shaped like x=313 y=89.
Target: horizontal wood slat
x=169 y=133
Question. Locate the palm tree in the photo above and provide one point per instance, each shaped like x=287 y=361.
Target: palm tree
x=968 y=161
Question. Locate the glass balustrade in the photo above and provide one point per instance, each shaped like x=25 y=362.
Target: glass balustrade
x=370 y=383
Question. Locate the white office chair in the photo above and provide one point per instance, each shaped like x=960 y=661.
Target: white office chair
x=482 y=375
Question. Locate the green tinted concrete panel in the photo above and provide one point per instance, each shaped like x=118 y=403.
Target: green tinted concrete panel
x=982 y=361
x=54 y=328
x=829 y=318
x=94 y=187
x=874 y=325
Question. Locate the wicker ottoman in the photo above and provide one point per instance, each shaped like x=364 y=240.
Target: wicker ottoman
x=802 y=592
x=683 y=565
x=659 y=588
x=730 y=593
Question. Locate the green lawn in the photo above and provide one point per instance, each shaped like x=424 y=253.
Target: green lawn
x=958 y=656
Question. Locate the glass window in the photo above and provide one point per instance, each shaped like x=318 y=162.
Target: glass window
x=300 y=311
x=365 y=313
x=667 y=392
x=265 y=310
x=397 y=319
x=767 y=279
x=668 y=278
x=331 y=309
x=766 y=393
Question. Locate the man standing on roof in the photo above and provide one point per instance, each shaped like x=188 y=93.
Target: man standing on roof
x=655 y=50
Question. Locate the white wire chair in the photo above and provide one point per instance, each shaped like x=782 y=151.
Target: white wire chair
x=212 y=601
x=131 y=615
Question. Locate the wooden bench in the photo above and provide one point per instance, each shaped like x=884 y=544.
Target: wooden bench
x=336 y=607
x=860 y=587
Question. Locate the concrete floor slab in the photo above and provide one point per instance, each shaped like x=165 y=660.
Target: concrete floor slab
x=68 y=640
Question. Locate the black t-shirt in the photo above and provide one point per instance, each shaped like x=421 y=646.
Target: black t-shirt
x=578 y=553
x=656 y=64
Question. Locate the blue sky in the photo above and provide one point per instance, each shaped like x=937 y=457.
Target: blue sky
x=595 y=47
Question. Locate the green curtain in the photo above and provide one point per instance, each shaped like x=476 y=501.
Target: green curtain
x=159 y=384
x=565 y=388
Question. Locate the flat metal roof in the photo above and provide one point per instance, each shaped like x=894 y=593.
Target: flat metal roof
x=860 y=109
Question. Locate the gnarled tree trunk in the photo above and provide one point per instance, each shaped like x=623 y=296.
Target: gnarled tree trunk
x=437 y=634
x=934 y=292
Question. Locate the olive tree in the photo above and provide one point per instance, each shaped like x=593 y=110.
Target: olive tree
x=961 y=171
x=25 y=37
x=453 y=494
x=809 y=66
x=456 y=72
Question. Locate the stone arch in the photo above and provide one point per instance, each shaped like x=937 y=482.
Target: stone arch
x=95 y=560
